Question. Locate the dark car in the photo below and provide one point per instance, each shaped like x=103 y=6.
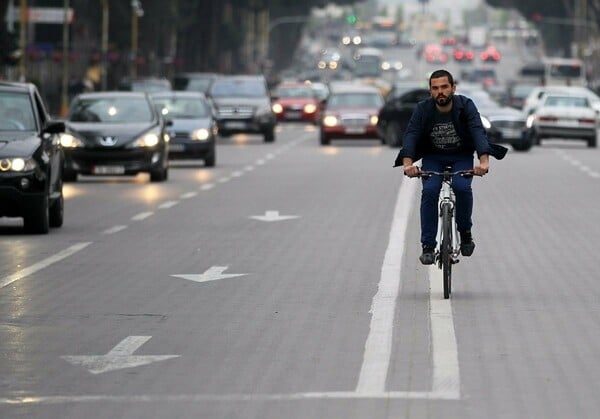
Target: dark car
x=194 y=129
x=397 y=110
x=243 y=105
x=31 y=159
x=115 y=133
x=350 y=112
x=195 y=82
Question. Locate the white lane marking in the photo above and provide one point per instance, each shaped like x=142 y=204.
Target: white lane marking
x=213 y=273
x=197 y=398
x=30 y=270
x=270 y=156
x=188 y=195
x=224 y=179
x=237 y=174
x=259 y=162
x=120 y=357
x=114 y=229
x=446 y=373
x=249 y=168
x=168 y=204
x=207 y=186
x=273 y=216
x=142 y=216
x=378 y=347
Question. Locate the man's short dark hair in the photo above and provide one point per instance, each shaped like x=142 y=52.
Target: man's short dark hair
x=441 y=73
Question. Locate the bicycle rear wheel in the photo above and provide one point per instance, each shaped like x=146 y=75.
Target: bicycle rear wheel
x=446 y=249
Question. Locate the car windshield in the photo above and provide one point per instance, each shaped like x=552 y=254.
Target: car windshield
x=150 y=86
x=567 y=101
x=238 y=88
x=16 y=112
x=355 y=100
x=300 y=91
x=111 y=110
x=182 y=107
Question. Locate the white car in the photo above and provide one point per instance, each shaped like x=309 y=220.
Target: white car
x=536 y=95
x=561 y=115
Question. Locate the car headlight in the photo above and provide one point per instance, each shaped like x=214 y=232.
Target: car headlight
x=17 y=164
x=310 y=108
x=485 y=122
x=69 y=141
x=330 y=121
x=150 y=139
x=277 y=108
x=201 y=134
x=373 y=119
x=530 y=119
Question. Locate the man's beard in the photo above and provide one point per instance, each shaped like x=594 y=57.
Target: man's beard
x=443 y=101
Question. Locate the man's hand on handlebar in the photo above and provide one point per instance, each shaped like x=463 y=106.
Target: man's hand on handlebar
x=481 y=169
x=412 y=171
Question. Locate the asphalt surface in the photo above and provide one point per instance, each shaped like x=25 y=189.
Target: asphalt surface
x=127 y=324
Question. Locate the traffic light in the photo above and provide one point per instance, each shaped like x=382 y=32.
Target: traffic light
x=351 y=19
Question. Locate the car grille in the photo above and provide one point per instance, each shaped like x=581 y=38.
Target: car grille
x=236 y=111
x=505 y=123
x=353 y=120
x=181 y=135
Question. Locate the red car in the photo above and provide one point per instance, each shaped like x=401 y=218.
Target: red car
x=490 y=54
x=351 y=111
x=463 y=54
x=433 y=53
x=296 y=102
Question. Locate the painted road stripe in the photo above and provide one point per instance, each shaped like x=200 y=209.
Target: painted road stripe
x=189 y=195
x=43 y=264
x=207 y=187
x=142 y=216
x=378 y=347
x=114 y=229
x=168 y=204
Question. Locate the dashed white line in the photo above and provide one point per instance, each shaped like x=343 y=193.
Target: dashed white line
x=188 y=195
x=224 y=179
x=168 y=204
x=207 y=187
x=114 y=229
x=142 y=216
x=237 y=174
x=43 y=264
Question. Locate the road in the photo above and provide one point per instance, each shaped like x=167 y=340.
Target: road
x=180 y=300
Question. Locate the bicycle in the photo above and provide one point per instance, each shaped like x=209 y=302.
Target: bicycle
x=448 y=244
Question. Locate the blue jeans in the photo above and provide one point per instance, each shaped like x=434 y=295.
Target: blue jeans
x=431 y=192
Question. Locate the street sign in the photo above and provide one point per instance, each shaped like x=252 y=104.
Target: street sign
x=42 y=15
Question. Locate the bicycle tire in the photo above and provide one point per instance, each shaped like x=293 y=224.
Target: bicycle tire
x=446 y=249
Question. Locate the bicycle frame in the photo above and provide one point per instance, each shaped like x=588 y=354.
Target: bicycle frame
x=447 y=198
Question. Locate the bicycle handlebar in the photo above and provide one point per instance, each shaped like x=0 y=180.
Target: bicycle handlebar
x=465 y=173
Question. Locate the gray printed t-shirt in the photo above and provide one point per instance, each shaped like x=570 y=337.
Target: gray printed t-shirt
x=443 y=137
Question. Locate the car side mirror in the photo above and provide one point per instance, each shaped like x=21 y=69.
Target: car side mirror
x=168 y=122
x=54 y=127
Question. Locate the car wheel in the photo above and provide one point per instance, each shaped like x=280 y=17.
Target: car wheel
x=325 y=140
x=592 y=142
x=269 y=135
x=69 y=175
x=57 y=210
x=159 y=175
x=37 y=220
x=393 y=134
x=523 y=145
x=209 y=161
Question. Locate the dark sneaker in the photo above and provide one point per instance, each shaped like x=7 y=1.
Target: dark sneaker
x=428 y=256
x=466 y=243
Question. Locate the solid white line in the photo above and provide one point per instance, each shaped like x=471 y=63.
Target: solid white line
x=43 y=264
x=142 y=215
x=446 y=373
x=378 y=347
x=197 y=398
x=114 y=229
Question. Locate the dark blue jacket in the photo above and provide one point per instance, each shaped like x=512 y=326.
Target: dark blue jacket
x=466 y=121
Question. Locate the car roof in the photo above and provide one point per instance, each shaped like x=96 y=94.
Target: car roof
x=112 y=93
x=178 y=93
x=17 y=86
x=348 y=86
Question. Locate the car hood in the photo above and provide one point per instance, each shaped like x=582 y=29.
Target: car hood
x=300 y=101
x=503 y=112
x=123 y=133
x=242 y=101
x=190 y=124
x=345 y=110
x=18 y=144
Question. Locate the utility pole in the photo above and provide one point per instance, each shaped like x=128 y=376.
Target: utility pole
x=104 y=45
x=136 y=13
x=23 y=40
x=64 y=103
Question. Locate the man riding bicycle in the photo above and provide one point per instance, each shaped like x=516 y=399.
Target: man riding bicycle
x=446 y=130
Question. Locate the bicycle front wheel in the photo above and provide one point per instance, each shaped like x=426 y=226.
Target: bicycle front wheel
x=446 y=249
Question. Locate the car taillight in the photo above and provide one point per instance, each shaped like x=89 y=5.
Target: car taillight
x=548 y=118
x=587 y=121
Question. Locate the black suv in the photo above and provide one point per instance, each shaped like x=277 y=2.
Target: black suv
x=243 y=105
x=31 y=159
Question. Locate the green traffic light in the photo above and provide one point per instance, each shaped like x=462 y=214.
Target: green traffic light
x=351 y=19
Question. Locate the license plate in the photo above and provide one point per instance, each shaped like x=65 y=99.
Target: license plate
x=176 y=147
x=511 y=133
x=359 y=130
x=293 y=114
x=568 y=122
x=109 y=170
x=235 y=125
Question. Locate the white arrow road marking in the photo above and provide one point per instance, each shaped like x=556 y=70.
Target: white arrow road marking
x=121 y=356
x=212 y=274
x=273 y=216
